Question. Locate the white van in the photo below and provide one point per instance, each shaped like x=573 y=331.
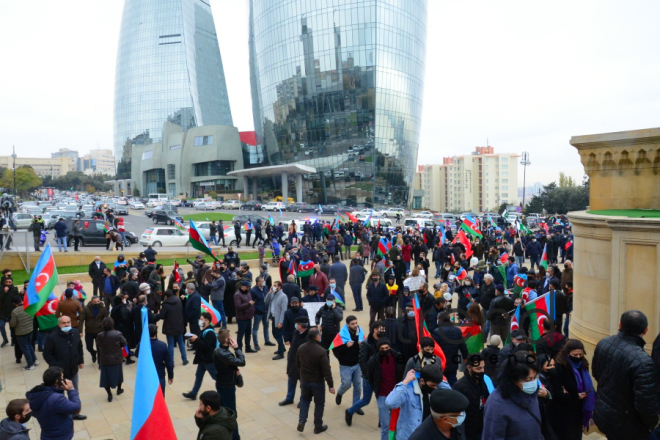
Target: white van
x=419 y=223
x=158 y=198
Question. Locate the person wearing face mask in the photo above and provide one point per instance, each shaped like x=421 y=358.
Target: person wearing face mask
x=467 y=293
x=69 y=307
x=298 y=337
x=319 y=279
x=90 y=320
x=533 y=252
x=121 y=315
x=276 y=303
x=412 y=397
x=377 y=297
x=18 y=414
x=407 y=324
x=204 y=346
x=294 y=312
x=425 y=357
x=384 y=371
x=328 y=319
x=447 y=417
x=476 y=386
x=450 y=340
x=512 y=410
x=258 y=293
x=244 y=314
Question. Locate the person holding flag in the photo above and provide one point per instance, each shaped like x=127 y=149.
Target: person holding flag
x=346 y=349
x=204 y=346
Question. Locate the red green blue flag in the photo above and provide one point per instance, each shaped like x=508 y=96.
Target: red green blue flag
x=461 y=274
x=208 y=308
x=470 y=226
x=384 y=246
x=179 y=225
x=42 y=283
x=539 y=310
x=425 y=333
x=305 y=269
x=351 y=217
x=198 y=241
x=177 y=275
x=474 y=340
x=504 y=257
x=394 y=419
x=46 y=315
x=292 y=268
x=519 y=283
x=544 y=258
x=151 y=419
x=270 y=219
x=344 y=336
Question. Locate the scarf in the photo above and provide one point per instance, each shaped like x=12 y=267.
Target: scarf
x=584 y=384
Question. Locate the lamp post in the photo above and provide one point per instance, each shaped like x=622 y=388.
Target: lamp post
x=13 y=155
x=524 y=162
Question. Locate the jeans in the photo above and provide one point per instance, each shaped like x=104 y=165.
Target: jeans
x=171 y=339
x=307 y=391
x=228 y=397
x=520 y=261
x=350 y=375
x=407 y=263
x=123 y=240
x=2 y=330
x=213 y=239
x=291 y=389
x=244 y=330
x=219 y=305
x=61 y=242
x=451 y=378
x=258 y=320
x=25 y=342
x=367 y=392
x=438 y=269
x=277 y=334
x=199 y=375
x=357 y=295
x=383 y=417
x=534 y=260
x=373 y=311
x=568 y=318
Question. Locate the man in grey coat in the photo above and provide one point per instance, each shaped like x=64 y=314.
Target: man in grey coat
x=218 y=297
x=339 y=272
x=277 y=303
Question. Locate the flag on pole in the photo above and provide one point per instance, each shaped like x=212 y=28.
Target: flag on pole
x=539 y=310
x=519 y=283
x=544 y=258
x=151 y=419
x=367 y=222
x=384 y=246
x=462 y=238
x=179 y=225
x=42 y=283
x=442 y=234
x=177 y=275
x=425 y=332
x=474 y=340
x=490 y=219
x=505 y=215
x=198 y=241
x=522 y=229
x=351 y=217
x=338 y=299
x=394 y=419
x=208 y=308
x=341 y=216
x=292 y=268
x=281 y=215
x=270 y=219
x=305 y=269
x=46 y=318
x=502 y=269
x=504 y=257
x=344 y=336
x=470 y=226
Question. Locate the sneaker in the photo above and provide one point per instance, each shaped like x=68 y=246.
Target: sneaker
x=359 y=412
x=36 y=362
x=28 y=368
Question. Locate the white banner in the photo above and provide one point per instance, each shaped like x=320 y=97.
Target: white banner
x=312 y=308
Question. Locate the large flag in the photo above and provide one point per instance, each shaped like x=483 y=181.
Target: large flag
x=425 y=333
x=338 y=299
x=544 y=258
x=42 y=283
x=46 y=315
x=522 y=229
x=351 y=217
x=502 y=269
x=384 y=246
x=504 y=257
x=208 y=308
x=270 y=219
x=474 y=340
x=394 y=419
x=461 y=274
x=344 y=336
x=179 y=225
x=546 y=306
x=505 y=215
x=470 y=226
x=367 y=222
x=198 y=241
x=341 y=216
x=519 y=283
x=151 y=419
x=462 y=238
x=442 y=234
x=292 y=268
x=306 y=269
x=177 y=275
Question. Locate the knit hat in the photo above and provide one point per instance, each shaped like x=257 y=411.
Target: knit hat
x=144 y=287
x=294 y=300
x=499 y=288
x=382 y=341
x=313 y=287
x=245 y=283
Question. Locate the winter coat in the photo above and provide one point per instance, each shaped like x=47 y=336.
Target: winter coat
x=204 y=346
x=227 y=363
x=447 y=338
x=276 y=302
x=123 y=322
x=10 y=430
x=503 y=304
x=219 y=426
x=320 y=280
x=348 y=356
x=110 y=346
x=193 y=307
x=428 y=431
x=6 y=302
x=627 y=399
x=69 y=307
x=218 y=289
x=509 y=418
x=534 y=249
x=64 y=350
x=60 y=229
x=330 y=319
x=171 y=313
x=474 y=391
x=374 y=371
x=377 y=294
x=357 y=275
x=313 y=363
x=258 y=296
x=408 y=398
x=486 y=294
x=54 y=411
x=491 y=356
x=91 y=323
x=297 y=339
x=289 y=324
x=244 y=310
x=161 y=357
x=339 y=273
x=22 y=323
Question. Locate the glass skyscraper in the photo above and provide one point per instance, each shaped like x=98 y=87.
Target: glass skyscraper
x=338 y=85
x=168 y=69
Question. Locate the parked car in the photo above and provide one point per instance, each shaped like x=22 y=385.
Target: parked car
x=92 y=233
x=22 y=220
x=136 y=205
x=274 y=206
x=164 y=236
x=423 y=214
x=204 y=206
x=419 y=223
x=300 y=207
x=150 y=212
x=327 y=209
x=186 y=203
x=231 y=204
x=230 y=236
x=166 y=217
x=375 y=218
x=199 y=202
x=391 y=212
x=251 y=205
x=121 y=209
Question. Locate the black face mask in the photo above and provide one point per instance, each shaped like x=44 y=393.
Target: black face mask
x=477 y=376
x=96 y=306
x=427 y=355
x=575 y=359
x=381 y=334
x=24 y=420
x=383 y=353
x=295 y=309
x=426 y=389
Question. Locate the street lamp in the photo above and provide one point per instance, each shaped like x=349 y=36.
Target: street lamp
x=13 y=155
x=524 y=162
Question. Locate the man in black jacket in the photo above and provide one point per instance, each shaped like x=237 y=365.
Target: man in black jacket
x=377 y=297
x=497 y=313
x=384 y=371
x=298 y=338
x=162 y=358
x=450 y=340
x=290 y=318
x=473 y=386
x=171 y=313
x=193 y=308
x=626 y=409
x=348 y=355
x=227 y=363
x=64 y=349
x=290 y=288
x=95 y=272
x=314 y=367
x=204 y=344
x=136 y=316
x=328 y=319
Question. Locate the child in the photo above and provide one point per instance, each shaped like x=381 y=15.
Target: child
x=82 y=296
x=393 y=290
x=262 y=253
x=276 y=251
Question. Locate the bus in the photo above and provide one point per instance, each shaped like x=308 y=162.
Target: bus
x=158 y=197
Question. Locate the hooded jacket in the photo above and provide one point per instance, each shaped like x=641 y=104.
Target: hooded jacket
x=219 y=426
x=10 y=430
x=54 y=411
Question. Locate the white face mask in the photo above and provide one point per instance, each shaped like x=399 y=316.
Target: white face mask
x=201 y=323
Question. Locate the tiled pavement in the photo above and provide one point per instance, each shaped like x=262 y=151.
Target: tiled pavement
x=259 y=416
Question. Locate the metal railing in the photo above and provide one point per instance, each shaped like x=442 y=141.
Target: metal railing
x=7 y=238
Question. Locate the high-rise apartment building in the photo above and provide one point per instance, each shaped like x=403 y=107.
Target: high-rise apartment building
x=338 y=86
x=477 y=182
x=168 y=69
x=71 y=154
x=98 y=162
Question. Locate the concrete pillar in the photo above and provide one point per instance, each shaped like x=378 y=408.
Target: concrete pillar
x=115 y=188
x=246 y=187
x=255 y=189
x=299 y=188
x=285 y=186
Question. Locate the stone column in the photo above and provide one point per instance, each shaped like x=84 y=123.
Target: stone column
x=255 y=189
x=115 y=188
x=299 y=188
x=285 y=186
x=246 y=187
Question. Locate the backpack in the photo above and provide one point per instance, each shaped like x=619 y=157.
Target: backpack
x=217 y=343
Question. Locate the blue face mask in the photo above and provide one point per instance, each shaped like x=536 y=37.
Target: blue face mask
x=530 y=387
x=411 y=314
x=459 y=420
x=66 y=329
x=329 y=303
x=333 y=285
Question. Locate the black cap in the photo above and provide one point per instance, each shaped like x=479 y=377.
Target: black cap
x=517 y=335
x=301 y=320
x=294 y=299
x=313 y=287
x=448 y=401
x=499 y=288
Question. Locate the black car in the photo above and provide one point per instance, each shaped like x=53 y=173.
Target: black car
x=251 y=205
x=150 y=212
x=93 y=233
x=327 y=209
x=301 y=207
x=167 y=217
x=244 y=217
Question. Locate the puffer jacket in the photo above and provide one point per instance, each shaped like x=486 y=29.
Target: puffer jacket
x=219 y=426
x=330 y=319
x=10 y=430
x=110 y=344
x=627 y=399
x=244 y=310
x=54 y=411
x=21 y=321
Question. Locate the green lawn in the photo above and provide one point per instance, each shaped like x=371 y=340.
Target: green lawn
x=210 y=216
x=634 y=213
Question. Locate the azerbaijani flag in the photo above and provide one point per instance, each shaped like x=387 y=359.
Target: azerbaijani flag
x=42 y=283
x=425 y=333
x=338 y=299
x=341 y=216
x=394 y=419
x=539 y=310
x=474 y=340
x=270 y=219
x=519 y=283
x=461 y=274
x=470 y=226
x=198 y=241
x=515 y=319
x=305 y=269
x=292 y=267
x=344 y=336
x=504 y=257
x=384 y=246
x=179 y=225
x=490 y=219
x=442 y=234
x=367 y=222
x=177 y=275
x=558 y=222
x=502 y=269
x=351 y=217
x=46 y=318
x=544 y=258
x=151 y=419
x=208 y=308
x=462 y=238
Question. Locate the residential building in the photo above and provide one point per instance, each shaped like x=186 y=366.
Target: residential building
x=42 y=166
x=340 y=89
x=478 y=182
x=168 y=69
x=71 y=154
x=98 y=162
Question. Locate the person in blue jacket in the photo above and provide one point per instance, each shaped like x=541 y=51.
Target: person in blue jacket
x=162 y=358
x=54 y=411
x=411 y=396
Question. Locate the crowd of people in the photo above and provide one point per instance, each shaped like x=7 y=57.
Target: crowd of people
x=410 y=357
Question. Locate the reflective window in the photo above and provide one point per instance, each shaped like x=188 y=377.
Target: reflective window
x=203 y=140
x=147 y=155
x=214 y=168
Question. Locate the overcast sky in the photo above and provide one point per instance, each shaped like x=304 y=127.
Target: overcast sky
x=524 y=75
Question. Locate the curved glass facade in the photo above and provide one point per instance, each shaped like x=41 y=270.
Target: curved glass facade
x=168 y=68
x=338 y=85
